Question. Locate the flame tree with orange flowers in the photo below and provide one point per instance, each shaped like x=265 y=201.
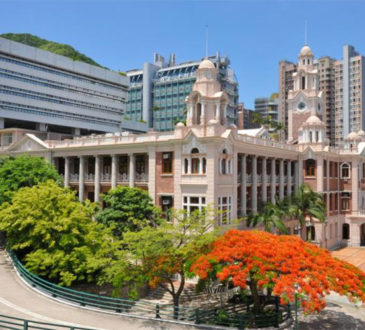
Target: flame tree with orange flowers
x=259 y=261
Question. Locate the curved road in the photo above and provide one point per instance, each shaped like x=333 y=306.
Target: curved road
x=18 y=300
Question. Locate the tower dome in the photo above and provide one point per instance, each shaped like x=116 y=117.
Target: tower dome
x=206 y=64
x=313 y=120
x=306 y=51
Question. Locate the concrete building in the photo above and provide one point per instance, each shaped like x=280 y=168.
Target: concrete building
x=349 y=94
x=158 y=91
x=46 y=92
x=211 y=162
x=245 y=117
x=268 y=107
x=341 y=82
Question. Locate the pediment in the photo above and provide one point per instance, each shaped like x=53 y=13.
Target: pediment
x=28 y=142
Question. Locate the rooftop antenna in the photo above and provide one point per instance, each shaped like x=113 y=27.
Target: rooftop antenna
x=206 y=40
x=305 y=33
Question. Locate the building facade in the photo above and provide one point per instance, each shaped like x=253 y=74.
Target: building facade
x=341 y=82
x=157 y=92
x=268 y=107
x=210 y=162
x=46 y=92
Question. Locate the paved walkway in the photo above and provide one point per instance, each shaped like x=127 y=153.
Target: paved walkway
x=18 y=300
x=355 y=256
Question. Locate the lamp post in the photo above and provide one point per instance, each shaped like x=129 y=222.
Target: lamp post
x=296 y=306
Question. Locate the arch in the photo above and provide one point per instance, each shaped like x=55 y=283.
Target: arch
x=198 y=113
x=310 y=167
x=224 y=151
x=194 y=151
x=345 y=231
x=362 y=234
x=345 y=171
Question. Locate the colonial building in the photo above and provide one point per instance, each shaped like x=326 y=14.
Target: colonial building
x=209 y=162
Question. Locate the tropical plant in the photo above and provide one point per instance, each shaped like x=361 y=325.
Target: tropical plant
x=55 y=235
x=259 y=261
x=24 y=171
x=271 y=217
x=128 y=209
x=156 y=255
x=307 y=204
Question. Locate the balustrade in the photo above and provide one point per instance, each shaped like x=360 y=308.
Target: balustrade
x=105 y=177
x=141 y=177
x=89 y=177
x=74 y=177
x=122 y=177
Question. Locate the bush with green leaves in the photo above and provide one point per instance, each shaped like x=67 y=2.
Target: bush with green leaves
x=24 y=171
x=128 y=209
x=55 y=235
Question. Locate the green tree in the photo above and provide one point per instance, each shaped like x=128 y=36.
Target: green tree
x=128 y=209
x=24 y=171
x=54 y=234
x=155 y=255
x=307 y=204
x=271 y=217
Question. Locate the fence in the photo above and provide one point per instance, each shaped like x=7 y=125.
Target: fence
x=14 y=323
x=239 y=315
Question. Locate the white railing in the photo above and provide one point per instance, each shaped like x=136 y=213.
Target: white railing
x=105 y=177
x=89 y=177
x=122 y=177
x=141 y=177
x=74 y=177
x=259 y=178
x=249 y=178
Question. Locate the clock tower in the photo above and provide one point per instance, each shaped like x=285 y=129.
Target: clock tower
x=305 y=99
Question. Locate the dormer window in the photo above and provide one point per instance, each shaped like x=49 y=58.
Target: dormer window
x=345 y=171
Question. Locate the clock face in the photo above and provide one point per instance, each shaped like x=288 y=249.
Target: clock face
x=301 y=106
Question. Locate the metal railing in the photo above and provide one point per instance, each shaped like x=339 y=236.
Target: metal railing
x=9 y=322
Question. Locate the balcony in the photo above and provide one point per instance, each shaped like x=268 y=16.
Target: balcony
x=141 y=177
x=122 y=177
x=74 y=177
x=105 y=177
x=89 y=177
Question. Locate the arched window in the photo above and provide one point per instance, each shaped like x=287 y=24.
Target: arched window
x=310 y=136
x=311 y=233
x=310 y=167
x=195 y=162
x=224 y=152
x=303 y=82
x=345 y=231
x=198 y=113
x=195 y=151
x=204 y=165
x=345 y=171
x=186 y=166
x=223 y=166
x=229 y=167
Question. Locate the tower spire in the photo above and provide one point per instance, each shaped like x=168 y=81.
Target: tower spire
x=206 y=41
x=305 y=33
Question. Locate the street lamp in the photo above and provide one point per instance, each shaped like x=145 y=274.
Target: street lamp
x=296 y=306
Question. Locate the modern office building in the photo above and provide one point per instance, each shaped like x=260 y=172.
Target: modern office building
x=349 y=94
x=268 y=107
x=211 y=162
x=341 y=82
x=46 y=92
x=157 y=92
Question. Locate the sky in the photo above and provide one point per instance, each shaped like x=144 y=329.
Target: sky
x=254 y=34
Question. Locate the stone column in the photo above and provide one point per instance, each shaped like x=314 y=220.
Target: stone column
x=66 y=180
x=288 y=185
x=254 y=184
x=132 y=173
x=320 y=175
x=152 y=172
x=355 y=185
x=264 y=181
x=114 y=171
x=81 y=178
x=281 y=179
x=217 y=112
x=202 y=116
x=273 y=181
x=243 y=186
x=97 y=179
x=300 y=172
x=296 y=175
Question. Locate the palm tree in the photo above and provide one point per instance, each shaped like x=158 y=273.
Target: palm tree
x=271 y=217
x=305 y=204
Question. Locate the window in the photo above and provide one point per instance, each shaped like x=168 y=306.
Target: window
x=345 y=171
x=223 y=166
x=345 y=231
x=225 y=210
x=193 y=203
x=8 y=139
x=195 y=162
x=186 y=166
x=204 y=165
x=167 y=162
x=166 y=205
x=310 y=167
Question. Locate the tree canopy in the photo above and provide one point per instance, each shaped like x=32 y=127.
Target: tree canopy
x=128 y=209
x=24 y=171
x=54 y=233
x=259 y=260
x=157 y=254
x=51 y=46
